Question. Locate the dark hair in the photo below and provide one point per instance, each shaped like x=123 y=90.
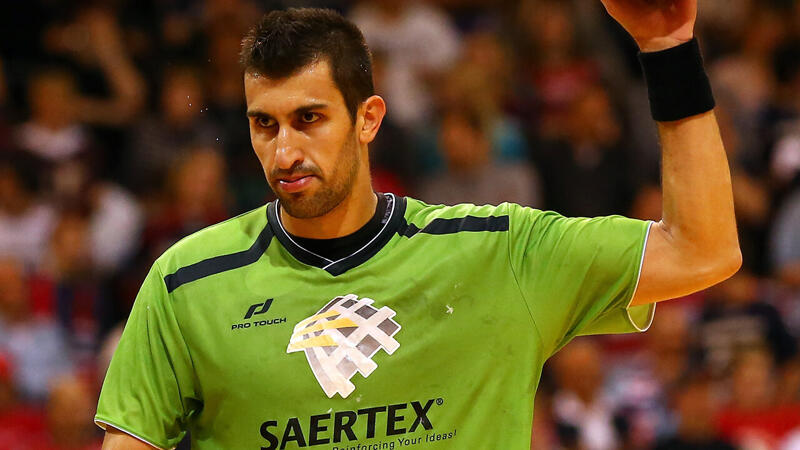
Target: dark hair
x=286 y=41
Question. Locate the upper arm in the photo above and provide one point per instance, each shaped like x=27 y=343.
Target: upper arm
x=674 y=268
x=118 y=440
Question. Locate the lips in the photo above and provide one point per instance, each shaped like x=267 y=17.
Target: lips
x=295 y=183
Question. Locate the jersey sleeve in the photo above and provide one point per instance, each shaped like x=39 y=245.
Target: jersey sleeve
x=149 y=389
x=578 y=275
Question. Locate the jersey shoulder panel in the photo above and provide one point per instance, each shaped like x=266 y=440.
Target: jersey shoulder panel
x=441 y=219
x=236 y=242
x=422 y=214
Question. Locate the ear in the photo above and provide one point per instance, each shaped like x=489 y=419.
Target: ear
x=371 y=114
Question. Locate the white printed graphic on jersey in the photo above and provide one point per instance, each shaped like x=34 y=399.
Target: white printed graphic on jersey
x=342 y=338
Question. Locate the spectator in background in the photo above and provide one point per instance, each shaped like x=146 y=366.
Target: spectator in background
x=114 y=216
x=53 y=132
x=640 y=383
x=579 y=405
x=35 y=344
x=472 y=174
x=483 y=49
x=735 y=319
x=785 y=242
x=785 y=162
x=70 y=409
x=779 y=120
x=196 y=197
x=696 y=408
x=116 y=221
x=557 y=71
x=181 y=122
x=18 y=420
x=25 y=221
x=476 y=153
x=69 y=290
x=744 y=76
x=420 y=44
x=94 y=39
x=470 y=86
x=587 y=173
x=753 y=417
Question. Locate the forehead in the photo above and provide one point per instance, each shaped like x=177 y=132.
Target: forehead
x=313 y=84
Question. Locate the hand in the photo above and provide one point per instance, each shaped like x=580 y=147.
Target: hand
x=655 y=24
x=105 y=35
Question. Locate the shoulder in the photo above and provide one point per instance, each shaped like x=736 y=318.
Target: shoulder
x=234 y=235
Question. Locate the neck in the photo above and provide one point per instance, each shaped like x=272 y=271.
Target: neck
x=345 y=219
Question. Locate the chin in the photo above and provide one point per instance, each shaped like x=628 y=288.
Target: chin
x=310 y=205
x=301 y=205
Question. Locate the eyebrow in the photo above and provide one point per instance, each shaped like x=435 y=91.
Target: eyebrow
x=301 y=110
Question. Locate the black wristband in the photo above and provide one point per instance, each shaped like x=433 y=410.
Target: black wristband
x=677 y=82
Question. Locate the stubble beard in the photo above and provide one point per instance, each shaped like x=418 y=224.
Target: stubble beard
x=334 y=189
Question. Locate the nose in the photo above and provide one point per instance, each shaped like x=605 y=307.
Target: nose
x=287 y=153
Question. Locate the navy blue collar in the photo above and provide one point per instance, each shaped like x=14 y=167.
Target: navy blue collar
x=339 y=255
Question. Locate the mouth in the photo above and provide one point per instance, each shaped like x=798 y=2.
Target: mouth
x=295 y=183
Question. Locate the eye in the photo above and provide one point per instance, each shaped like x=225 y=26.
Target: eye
x=265 y=122
x=309 y=117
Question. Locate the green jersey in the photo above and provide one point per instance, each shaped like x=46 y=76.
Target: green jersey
x=433 y=335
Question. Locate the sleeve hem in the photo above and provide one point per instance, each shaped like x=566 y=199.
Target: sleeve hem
x=652 y=308
x=103 y=423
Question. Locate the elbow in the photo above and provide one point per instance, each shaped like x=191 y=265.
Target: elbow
x=733 y=262
x=727 y=262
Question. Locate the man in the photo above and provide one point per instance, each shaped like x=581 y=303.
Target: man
x=250 y=333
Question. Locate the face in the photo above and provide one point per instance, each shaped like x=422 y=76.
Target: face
x=465 y=147
x=51 y=97
x=305 y=139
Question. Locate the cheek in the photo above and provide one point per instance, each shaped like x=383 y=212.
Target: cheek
x=329 y=143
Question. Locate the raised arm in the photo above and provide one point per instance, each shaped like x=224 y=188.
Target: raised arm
x=695 y=245
x=128 y=89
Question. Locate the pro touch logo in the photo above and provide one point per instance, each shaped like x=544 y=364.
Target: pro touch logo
x=255 y=320
x=341 y=339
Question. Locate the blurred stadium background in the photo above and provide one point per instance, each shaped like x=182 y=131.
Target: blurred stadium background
x=122 y=129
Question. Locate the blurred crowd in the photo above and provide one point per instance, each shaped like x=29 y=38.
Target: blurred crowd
x=122 y=129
